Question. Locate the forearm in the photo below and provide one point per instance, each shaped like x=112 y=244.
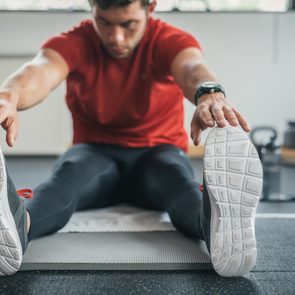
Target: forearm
x=190 y=71
x=33 y=81
x=196 y=74
x=28 y=86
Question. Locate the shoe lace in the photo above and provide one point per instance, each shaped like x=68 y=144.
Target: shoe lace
x=25 y=193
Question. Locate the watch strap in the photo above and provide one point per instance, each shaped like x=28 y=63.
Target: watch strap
x=206 y=88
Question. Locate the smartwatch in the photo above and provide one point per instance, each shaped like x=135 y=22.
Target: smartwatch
x=206 y=88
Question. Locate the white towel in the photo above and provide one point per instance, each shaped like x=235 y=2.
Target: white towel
x=121 y=218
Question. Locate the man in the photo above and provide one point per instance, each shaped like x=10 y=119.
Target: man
x=126 y=77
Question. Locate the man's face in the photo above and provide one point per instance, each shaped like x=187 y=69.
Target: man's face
x=121 y=28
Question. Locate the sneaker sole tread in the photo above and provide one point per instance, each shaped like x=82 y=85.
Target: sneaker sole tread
x=233 y=176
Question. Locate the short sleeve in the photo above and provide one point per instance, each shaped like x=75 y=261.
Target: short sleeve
x=170 y=42
x=70 y=45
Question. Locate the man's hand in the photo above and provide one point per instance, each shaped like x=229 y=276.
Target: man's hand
x=211 y=109
x=8 y=116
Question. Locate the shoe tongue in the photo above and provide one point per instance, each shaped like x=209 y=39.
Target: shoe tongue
x=25 y=193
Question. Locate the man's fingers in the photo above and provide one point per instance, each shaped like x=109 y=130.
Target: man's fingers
x=3 y=114
x=12 y=131
x=218 y=115
x=243 y=122
x=205 y=116
x=196 y=131
x=9 y=120
x=230 y=115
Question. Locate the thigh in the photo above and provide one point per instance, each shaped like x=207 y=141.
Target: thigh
x=84 y=177
x=93 y=175
x=159 y=177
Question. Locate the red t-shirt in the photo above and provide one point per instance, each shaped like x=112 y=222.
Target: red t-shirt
x=132 y=102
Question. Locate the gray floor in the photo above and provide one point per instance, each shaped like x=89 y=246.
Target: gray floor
x=273 y=274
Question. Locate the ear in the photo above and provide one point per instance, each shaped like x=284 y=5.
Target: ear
x=152 y=6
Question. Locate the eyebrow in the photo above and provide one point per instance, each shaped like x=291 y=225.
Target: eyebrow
x=122 y=24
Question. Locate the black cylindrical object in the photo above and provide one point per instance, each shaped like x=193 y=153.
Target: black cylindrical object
x=289 y=136
x=271 y=161
x=269 y=154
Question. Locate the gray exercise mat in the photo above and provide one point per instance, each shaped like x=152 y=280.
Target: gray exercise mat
x=116 y=251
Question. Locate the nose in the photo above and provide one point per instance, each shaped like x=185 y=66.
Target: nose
x=116 y=36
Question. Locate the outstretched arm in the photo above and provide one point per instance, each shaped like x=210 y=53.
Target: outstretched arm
x=28 y=86
x=190 y=71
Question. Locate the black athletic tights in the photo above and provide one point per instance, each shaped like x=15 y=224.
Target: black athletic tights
x=95 y=176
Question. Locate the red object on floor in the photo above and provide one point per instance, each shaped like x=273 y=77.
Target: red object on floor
x=25 y=193
x=201 y=187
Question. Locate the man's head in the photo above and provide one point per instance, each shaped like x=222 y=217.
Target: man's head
x=105 y=4
x=121 y=24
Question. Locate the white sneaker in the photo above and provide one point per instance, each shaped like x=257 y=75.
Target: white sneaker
x=232 y=188
x=13 y=223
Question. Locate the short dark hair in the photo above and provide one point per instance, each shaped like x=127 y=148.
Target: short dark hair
x=105 y=4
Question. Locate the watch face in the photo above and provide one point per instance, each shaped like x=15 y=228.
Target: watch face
x=210 y=85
